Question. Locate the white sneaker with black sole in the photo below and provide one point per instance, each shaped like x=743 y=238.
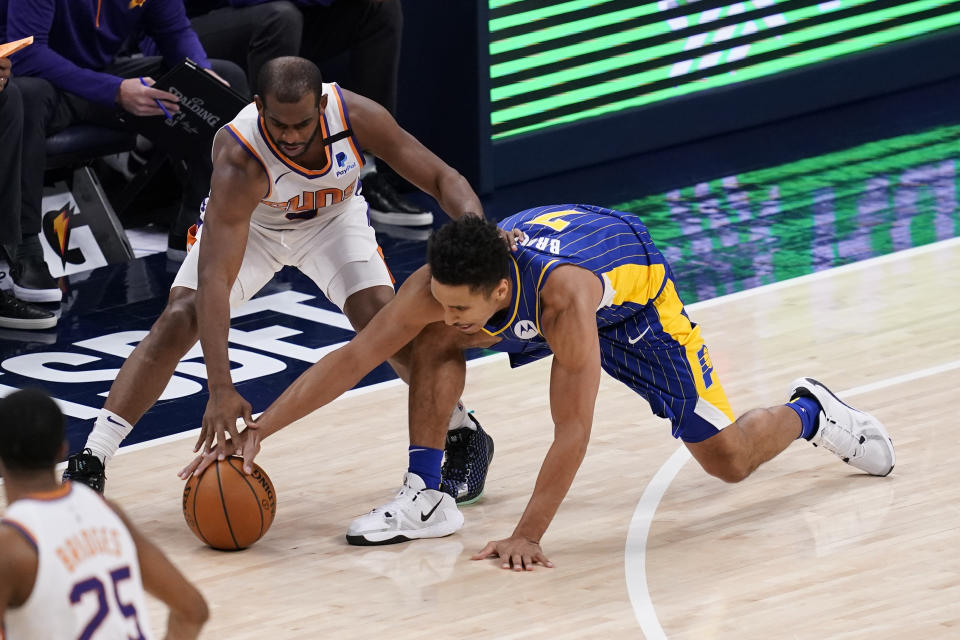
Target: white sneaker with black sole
x=856 y=436
x=416 y=512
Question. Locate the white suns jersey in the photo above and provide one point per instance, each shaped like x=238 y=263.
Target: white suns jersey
x=88 y=577
x=297 y=194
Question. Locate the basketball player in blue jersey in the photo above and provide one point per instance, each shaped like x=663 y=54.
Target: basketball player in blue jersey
x=588 y=286
x=285 y=191
x=71 y=564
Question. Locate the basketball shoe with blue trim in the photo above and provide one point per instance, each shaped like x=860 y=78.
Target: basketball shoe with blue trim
x=857 y=437
x=467 y=456
x=415 y=512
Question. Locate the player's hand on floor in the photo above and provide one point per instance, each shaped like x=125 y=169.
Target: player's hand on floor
x=246 y=444
x=220 y=418
x=515 y=552
x=512 y=237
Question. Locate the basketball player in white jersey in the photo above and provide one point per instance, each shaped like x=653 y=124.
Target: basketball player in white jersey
x=71 y=566
x=284 y=191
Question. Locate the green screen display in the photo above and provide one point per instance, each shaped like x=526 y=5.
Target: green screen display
x=753 y=228
x=554 y=62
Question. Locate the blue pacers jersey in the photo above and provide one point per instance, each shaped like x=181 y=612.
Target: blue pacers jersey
x=613 y=245
x=646 y=338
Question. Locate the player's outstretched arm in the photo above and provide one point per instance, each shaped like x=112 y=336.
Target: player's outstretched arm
x=18 y=569
x=236 y=187
x=383 y=137
x=390 y=330
x=569 y=324
x=161 y=579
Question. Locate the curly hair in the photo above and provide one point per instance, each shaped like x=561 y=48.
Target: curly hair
x=468 y=251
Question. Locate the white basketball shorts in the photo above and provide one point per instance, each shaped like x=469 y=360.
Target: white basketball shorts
x=339 y=254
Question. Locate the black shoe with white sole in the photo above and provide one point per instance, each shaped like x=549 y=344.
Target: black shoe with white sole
x=17 y=314
x=389 y=207
x=32 y=281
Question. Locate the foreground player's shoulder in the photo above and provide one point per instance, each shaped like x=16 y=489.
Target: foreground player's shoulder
x=18 y=563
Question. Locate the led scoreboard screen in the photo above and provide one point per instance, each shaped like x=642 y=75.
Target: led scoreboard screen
x=554 y=62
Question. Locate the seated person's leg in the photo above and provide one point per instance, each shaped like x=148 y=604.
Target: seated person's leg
x=11 y=137
x=370 y=31
x=198 y=169
x=14 y=314
x=43 y=114
x=250 y=36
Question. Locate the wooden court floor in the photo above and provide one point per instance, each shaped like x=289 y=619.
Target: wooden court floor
x=805 y=548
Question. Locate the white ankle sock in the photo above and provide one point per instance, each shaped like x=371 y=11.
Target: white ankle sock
x=460 y=418
x=109 y=430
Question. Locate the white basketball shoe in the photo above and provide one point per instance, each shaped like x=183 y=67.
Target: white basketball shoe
x=416 y=512
x=857 y=437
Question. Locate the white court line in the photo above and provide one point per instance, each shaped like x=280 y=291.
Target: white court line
x=635 y=558
x=194 y=433
x=359 y=391
x=498 y=357
x=869 y=263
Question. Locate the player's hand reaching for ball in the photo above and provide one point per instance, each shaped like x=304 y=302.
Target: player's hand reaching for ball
x=245 y=444
x=224 y=406
x=516 y=552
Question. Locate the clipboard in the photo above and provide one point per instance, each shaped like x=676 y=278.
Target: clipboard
x=7 y=49
x=206 y=104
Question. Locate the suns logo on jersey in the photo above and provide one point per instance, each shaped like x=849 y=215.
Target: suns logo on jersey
x=304 y=206
x=136 y=3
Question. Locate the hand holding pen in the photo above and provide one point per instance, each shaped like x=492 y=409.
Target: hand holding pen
x=138 y=96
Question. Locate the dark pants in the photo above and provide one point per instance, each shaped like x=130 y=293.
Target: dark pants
x=251 y=36
x=369 y=30
x=48 y=110
x=11 y=135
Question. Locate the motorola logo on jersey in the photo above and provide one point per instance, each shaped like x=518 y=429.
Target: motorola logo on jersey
x=525 y=329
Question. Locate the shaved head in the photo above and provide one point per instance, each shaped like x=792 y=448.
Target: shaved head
x=288 y=79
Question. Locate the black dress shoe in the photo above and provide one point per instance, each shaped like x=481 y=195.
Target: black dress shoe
x=32 y=281
x=389 y=207
x=16 y=314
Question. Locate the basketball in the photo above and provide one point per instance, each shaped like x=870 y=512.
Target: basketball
x=228 y=509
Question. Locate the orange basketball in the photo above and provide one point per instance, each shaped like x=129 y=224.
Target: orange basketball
x=228 y=509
